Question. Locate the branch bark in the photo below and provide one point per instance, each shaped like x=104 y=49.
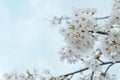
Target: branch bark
x=84 y=69
x=108 y=67
x=100 y=32
x=100 y=18
x=92 y=75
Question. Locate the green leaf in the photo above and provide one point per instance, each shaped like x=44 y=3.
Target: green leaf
x=72 y=27
x=28 y=73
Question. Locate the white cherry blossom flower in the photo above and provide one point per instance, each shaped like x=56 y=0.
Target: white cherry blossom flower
x=93 y=65
x=110 y=44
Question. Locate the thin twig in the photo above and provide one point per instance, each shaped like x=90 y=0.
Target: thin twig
x=108 y=67
x=99 y=32
x=84 y=69
x=100 y=18
x=75 y=72
x=100 y=60
x=92 y=75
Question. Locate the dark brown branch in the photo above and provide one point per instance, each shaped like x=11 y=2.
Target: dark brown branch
x=108 y=67
x=84 y=69
x=100 y=32
x=100 y=18
x=75 y=72
x=100 y=60
x=92 y=75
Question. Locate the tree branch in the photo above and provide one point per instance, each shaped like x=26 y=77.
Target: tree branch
x=108 y=67
x=100 y=18
x=84 y=69
x=72 y=73
x=92 y=75
x=99 y=32
x=100 y=60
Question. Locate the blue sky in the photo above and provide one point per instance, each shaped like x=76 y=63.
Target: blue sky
x=27 y=39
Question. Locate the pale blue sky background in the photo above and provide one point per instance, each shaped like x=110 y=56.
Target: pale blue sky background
x=26 y=38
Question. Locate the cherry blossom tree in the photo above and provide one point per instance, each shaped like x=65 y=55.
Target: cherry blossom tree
x=82 y=32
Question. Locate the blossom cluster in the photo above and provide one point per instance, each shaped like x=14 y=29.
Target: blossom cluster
x=110 y=44
x=81 y=35
x=77 y=35
x=32 y=75
x=83 y=32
